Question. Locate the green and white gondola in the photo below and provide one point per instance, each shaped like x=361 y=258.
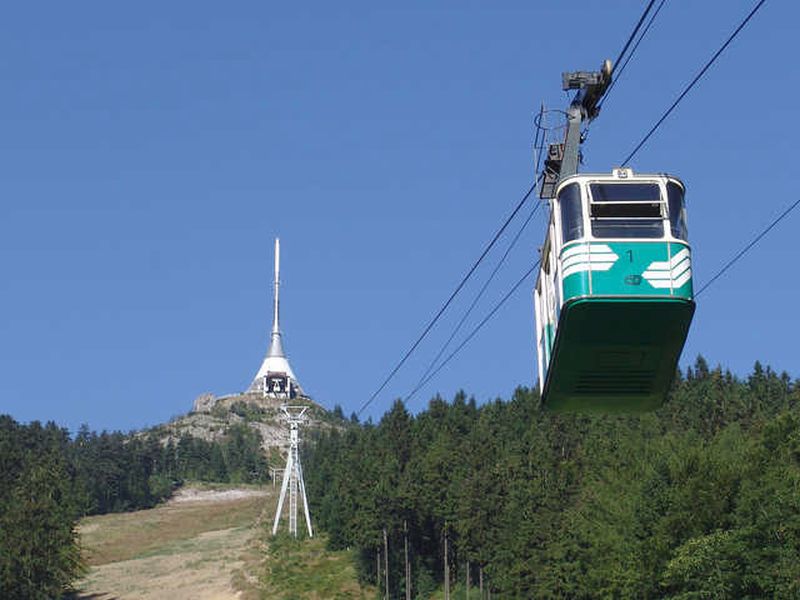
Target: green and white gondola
x=613 y=299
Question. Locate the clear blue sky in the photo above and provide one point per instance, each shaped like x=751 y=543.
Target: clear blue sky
x=150 y=152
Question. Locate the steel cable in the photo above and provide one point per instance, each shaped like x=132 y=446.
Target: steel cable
x=744 y=250
x=450 y=299
x=694 y=81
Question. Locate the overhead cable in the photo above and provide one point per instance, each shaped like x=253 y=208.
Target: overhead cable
x=450 y=299
x=694 y=81
x=632 y=35
x=469 y=310
x=618 y=72
x=744 y=250
x=483 y=322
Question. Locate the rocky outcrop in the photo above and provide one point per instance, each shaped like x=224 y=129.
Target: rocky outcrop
x=211 y=417
x=204 y=403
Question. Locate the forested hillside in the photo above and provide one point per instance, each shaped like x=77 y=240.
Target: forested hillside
x=49 y=480
x=698 y=500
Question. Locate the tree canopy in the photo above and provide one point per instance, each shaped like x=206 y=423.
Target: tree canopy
x=697 y=500
x=49 y=480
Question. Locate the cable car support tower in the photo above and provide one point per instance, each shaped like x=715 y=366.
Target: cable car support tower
x=293 y=473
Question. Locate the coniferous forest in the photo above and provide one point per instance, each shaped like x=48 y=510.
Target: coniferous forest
x=49 y=480
x=698 y=500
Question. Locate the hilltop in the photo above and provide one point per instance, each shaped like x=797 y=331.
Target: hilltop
x=212 y=417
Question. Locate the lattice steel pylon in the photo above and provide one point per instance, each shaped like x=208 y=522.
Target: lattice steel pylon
x=293 y=474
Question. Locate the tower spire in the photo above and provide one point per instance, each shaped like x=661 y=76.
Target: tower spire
x=275 y=377
x=276 y=307
x=275 y=344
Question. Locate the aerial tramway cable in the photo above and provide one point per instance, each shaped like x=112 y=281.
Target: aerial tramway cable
x=450 y=299
x=694 y=81
x=538 y=140
x=632 y=35
x=425 y=376
x=744 y=250
x=479 y=326
x=619 y=70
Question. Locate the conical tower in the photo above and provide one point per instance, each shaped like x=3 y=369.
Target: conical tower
x=275 y=377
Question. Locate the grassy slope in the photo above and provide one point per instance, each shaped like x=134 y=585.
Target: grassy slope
x=304 y=570
x=208 y=549
x=191 y=549
x=122 y=536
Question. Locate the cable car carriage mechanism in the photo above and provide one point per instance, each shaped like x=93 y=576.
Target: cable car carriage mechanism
x=613 y=300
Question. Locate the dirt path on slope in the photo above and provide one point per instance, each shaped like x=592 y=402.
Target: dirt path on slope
x=192 y=547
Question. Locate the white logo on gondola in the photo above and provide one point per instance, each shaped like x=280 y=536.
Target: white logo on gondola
x=672 y=273
x=587 y=257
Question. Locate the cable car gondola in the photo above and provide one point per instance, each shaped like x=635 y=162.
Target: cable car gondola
x=613 y=299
